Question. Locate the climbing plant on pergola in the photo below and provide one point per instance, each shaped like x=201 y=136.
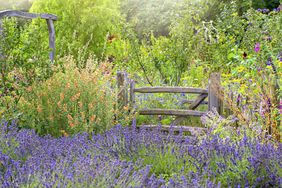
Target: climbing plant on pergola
x=50 y=18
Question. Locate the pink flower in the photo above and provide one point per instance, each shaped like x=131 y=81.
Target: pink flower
x=257 y=47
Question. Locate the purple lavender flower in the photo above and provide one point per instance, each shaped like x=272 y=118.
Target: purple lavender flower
x=279 y=57
x=269 y=61
x=120 y=157
x=265 y=10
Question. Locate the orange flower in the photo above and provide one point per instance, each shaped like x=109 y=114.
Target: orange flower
x=80 y=104
x=71 y=124
x=75 y=97
x=90 y=105
x=62 y=96
x=39 y=109
x=92 y=118
x=82 y=115
x=65 y=107
x=51 y=118
x=70 y=118
x=29 y=89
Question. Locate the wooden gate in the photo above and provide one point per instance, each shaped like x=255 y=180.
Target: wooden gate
x=127 y=90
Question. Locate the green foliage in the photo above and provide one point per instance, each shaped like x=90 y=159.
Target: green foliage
x=165 y=162
x=270 y=4
x=23 y=62
x=82 y=24
x=70 y=102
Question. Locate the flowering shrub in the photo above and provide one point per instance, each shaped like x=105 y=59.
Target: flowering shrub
x=153 y=159
x=70 y=101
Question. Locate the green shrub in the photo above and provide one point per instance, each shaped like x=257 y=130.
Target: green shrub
x=22 y=62
x=71 y=101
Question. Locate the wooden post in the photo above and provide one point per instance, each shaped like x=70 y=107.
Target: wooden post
x=51 y=30
x=132 y=94
x=1 y=33
x=215 y=93
x=122 y=89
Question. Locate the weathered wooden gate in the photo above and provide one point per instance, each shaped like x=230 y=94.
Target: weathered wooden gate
x=127 y=90
x=50 y=18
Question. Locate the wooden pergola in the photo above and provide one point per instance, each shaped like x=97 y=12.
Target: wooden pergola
x=50 y=18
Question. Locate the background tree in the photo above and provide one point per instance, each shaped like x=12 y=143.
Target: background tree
x=84 y=25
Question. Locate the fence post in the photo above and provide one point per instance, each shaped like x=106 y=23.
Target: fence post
x=122 y=98
x=132 y=94
x=215 y=93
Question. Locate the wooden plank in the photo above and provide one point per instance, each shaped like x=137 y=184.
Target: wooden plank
x=198 y=101
x=178 y=119
x=132 y=94
x=16 y=13
x=193 y=130
x=171 y=90
x=51 y=30
x=170 y=112
x=1 y=35
x=190 y=102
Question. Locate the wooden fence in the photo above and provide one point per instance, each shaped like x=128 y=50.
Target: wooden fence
x=127 y=91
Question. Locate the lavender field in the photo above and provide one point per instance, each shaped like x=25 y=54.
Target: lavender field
x=131 y=157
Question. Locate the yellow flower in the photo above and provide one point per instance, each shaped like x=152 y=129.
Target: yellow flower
x=64 y=133
x=68 y=85
x=126 y=108
x=241 y=69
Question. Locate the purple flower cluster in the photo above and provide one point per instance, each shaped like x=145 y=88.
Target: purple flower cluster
x=118 y=159
x=263 y=10
x=267 y=10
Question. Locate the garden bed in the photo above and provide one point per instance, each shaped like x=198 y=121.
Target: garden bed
x=131 y=157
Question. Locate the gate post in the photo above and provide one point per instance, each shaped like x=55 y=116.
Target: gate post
x=122 y=96
x=215 y=93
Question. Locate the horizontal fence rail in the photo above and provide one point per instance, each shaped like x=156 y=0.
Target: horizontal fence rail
x=170 y=112
x=193 y=130
x=170 y=90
